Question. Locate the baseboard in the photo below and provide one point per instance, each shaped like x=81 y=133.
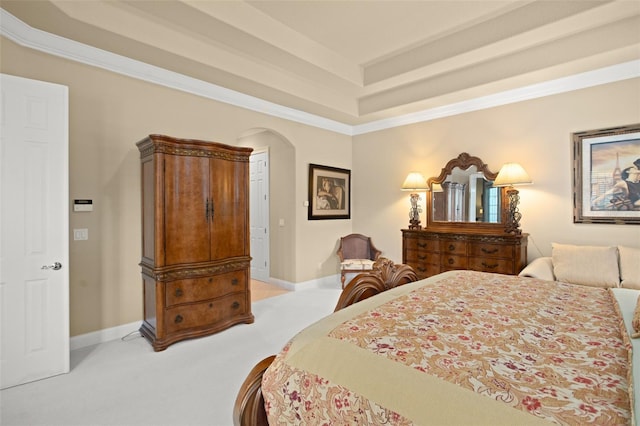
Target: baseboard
x=102 y=336
x=113 y=333
x=331 y=281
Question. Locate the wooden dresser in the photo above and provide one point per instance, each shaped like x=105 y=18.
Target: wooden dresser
x=468 y=228
x=195 y=238
x=432 y=252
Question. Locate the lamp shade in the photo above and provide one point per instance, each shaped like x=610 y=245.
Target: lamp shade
x=415 y=182
x=512 y=174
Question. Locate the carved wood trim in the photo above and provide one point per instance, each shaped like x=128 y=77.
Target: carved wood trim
x=192 y=148
x=464 y=161
x=182 y=272
x=385 y=275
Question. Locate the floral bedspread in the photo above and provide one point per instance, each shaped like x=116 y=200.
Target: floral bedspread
x=460 y=347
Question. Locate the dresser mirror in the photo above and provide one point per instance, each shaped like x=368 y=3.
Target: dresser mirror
x=463 y=197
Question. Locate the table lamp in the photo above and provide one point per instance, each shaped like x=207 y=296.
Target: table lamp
x=415 y=182
x=512 y=174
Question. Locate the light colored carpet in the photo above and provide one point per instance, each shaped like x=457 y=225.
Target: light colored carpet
x=194 y=382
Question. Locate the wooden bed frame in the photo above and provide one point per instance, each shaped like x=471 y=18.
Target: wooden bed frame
x=248 y=409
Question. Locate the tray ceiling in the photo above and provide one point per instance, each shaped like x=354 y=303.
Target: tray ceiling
x=354 y=61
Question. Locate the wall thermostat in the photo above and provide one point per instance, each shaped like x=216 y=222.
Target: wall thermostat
x=82 y=205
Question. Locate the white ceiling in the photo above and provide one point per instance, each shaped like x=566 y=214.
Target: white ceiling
x=354 y=61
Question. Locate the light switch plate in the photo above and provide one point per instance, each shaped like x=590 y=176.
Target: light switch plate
x=80 y=234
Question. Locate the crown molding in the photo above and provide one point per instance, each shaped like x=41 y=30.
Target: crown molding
x=27 y=36
x=583 y=80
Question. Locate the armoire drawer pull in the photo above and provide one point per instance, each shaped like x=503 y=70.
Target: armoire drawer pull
x=422 y=245
x=178 y=319
x=451 y=261
x=451 y=247
x=235 y=305
x=179 y=292
x=422 y=257
x=234 y=281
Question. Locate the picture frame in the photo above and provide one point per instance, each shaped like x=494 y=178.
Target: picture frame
x=606 y=175
x=329 y=193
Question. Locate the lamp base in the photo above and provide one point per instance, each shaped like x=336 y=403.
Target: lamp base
x=414 y=212
x=513 y=219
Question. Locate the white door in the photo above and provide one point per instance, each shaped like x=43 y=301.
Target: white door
x=259 y=216
x=34 y=216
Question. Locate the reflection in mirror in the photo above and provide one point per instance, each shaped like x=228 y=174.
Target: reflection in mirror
x=465 y=196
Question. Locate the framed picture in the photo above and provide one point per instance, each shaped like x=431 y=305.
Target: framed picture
x=329 y=193
x=606 y=175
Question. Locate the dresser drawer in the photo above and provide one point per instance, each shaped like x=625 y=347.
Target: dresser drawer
x=453 y=247
x=490 y=250
x=422 y=244
x=452 y=261
x=424 y=270
x=422 y=257
x=198 y=289
x=204 y=314
x=488 y=264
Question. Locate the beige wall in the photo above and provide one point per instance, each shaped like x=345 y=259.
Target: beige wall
x=534 y=133
x=109 y=113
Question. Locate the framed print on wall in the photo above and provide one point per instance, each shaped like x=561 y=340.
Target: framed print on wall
x=606 y=175
x=329 y=192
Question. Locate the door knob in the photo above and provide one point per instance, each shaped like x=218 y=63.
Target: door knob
x=55 y=266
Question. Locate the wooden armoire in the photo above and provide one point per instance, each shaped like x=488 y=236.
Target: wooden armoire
x=195 y=238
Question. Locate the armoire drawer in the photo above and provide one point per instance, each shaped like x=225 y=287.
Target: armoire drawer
x=205 y=313
x=197 y=289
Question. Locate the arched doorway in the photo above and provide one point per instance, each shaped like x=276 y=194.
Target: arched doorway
x=277 y=242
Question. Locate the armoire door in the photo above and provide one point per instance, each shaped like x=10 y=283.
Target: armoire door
x=186 y=206
x=229 y=183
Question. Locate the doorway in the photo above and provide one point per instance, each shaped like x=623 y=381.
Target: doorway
x=259 y=214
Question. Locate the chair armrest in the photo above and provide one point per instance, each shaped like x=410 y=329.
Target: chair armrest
x=541 y=267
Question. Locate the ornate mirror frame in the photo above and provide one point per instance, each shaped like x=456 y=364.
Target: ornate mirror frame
x=464 y=161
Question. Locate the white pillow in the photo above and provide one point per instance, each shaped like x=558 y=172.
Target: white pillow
x=629 y=267
x=587 y=265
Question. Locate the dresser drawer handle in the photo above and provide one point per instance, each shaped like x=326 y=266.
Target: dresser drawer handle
x=179 y=292
x=422 y=245
x=451 y=261
x=484 y=250
x=178 y=319
x=451 y=247
x=234 y=281
x=422 y=269
x=235 y=305
x=495 y=265
x=422 y=257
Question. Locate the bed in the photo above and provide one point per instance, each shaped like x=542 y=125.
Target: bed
x=461 y=347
